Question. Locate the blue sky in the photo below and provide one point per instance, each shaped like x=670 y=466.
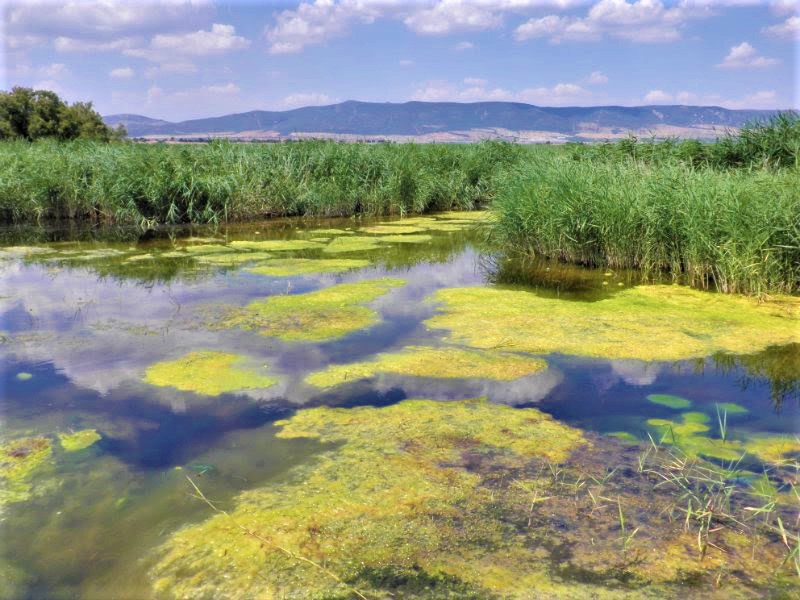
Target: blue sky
x=177 y=59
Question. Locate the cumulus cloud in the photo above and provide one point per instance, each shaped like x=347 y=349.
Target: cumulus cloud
x=764 y=99
x=461 y=46
x=597 y=78
x=218 y=40
x=790 y=28
x=657 y=97
x=54 y=71
x=69 y=44
x=744 y=56
x=478 y=90
x=643 y=21
x=121 y=73
x=450 y=16
x=306 y=99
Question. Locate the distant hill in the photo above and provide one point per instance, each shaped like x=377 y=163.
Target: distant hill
x=451 y=121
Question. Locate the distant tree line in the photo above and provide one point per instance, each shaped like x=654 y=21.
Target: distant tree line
x=31 y=114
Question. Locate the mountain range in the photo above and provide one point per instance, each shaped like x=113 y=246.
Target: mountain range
x=450 y=122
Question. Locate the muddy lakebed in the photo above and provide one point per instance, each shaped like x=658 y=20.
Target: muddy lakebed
x=385 y=409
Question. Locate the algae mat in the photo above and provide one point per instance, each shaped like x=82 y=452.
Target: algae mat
x=659 y=322
x=393 y=492
x=444 y=363
x=315 y=316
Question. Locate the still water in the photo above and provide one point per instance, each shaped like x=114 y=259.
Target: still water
x=95 y=325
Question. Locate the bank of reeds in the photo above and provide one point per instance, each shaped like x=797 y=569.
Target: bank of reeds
x=221 y=181
x=727 y=226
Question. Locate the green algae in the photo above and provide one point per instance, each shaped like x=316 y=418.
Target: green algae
x=623 y=435
x=351 y=244
x=405 y=239
x=443 y=363
x=19 y=460
x=655 y=322
x=687 y=435
x=731 y=409
x=314 y=316
x=232 y=258
x=276 y=245
x=207 y=372
x=289 y=267
x=670 y=401
x=448 y=227
x=78 y=440
x=332 y=231
x=208 y=249
x=391 y=491
x=23 y=376
x=472 y=215
x=392 y=229
x=773 y=448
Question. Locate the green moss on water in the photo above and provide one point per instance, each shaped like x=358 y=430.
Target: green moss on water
x=276 y=245
x=405 y=239
x=688 y=434
x=774 y=449
x=208 y=372
x=78 y=440
x=23 y=376
x=331 y=231
x=731 y=408
x=232 y=258
x=443 y=363
x=623 y=435
x=351 y=244
x=390 y=228
x=670 y=401
x=315 y=316
x=656 y=322
x=467 y=215
x=209 y=249
x=289 y=267
x=392 y=493
x=19 y=461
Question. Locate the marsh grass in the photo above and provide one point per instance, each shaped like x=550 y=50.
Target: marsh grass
x=222 y=181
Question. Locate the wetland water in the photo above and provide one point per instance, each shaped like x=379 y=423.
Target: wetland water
x=319 y=383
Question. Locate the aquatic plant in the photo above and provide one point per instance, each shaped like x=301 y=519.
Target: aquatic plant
x=669 y=401
x=442 y=363
x=390 y=228
x=289 y=267
x=208 y=372
x=405 y=239
x=275 y=245
x=78 y=440
x=688 y=435
x=659 y=322
x=392 y=491
x=19 y=460
x=23 y=376
x=324 y=314
x=351 y=244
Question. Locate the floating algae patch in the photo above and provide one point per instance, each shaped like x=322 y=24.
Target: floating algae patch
x=354 y=243
x=444 y=226
x=208 y=372
x=688 y=435
x=443 y=363
x=232 y=258
x=78 y=440
x=287 y=267
x=405 y=239
x=393 y=494
x=731 y=408
x=669 y=401
x=658 y=322
x=471 y=215
x=773 y=448
x=393 y=229
x=315 y=316
x=19 y=459
x=23 y=376
x=331 y=231
x=208 y=249
x=276 y=245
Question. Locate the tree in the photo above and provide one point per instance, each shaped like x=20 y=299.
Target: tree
x=33 y=114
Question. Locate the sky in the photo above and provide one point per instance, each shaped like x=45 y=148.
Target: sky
x=178 y=59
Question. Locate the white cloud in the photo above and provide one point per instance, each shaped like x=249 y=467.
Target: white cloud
x=68 y=44
x=642 y=21
x=170 y=68
x=54 y=71
x=306 y=99
x=218 y=40
x=763 y=99
x=450 y=16
x=657 y=97
x=597 y=78
x=790 y=28
x=744 y=56
x=478 y=90
x=461 y=46
x=121 y=73
x=228 y=88
x=685 y=97
x=22 y=42
x=406 y=63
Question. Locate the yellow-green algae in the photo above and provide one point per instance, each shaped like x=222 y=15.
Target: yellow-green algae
x=393 y=229
x=405 y=239
x=472 y=215
x=332 y=231
x=19 y=459
x=207 y=372
x=208 y=249
x=23 y=376
x=669 y=401
x=78 y=440
x=276 y=245
x=320 y=315
x=393 y=493
x=443 y=363
x=656 y=322
x=354 y=243
x=287 y=267
x=232 y=258
x=773 y=448
x=731 y=408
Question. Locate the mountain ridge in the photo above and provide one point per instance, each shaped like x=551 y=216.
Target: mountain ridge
x=440 y=121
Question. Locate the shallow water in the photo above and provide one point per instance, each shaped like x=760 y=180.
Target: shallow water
x=82 y=325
